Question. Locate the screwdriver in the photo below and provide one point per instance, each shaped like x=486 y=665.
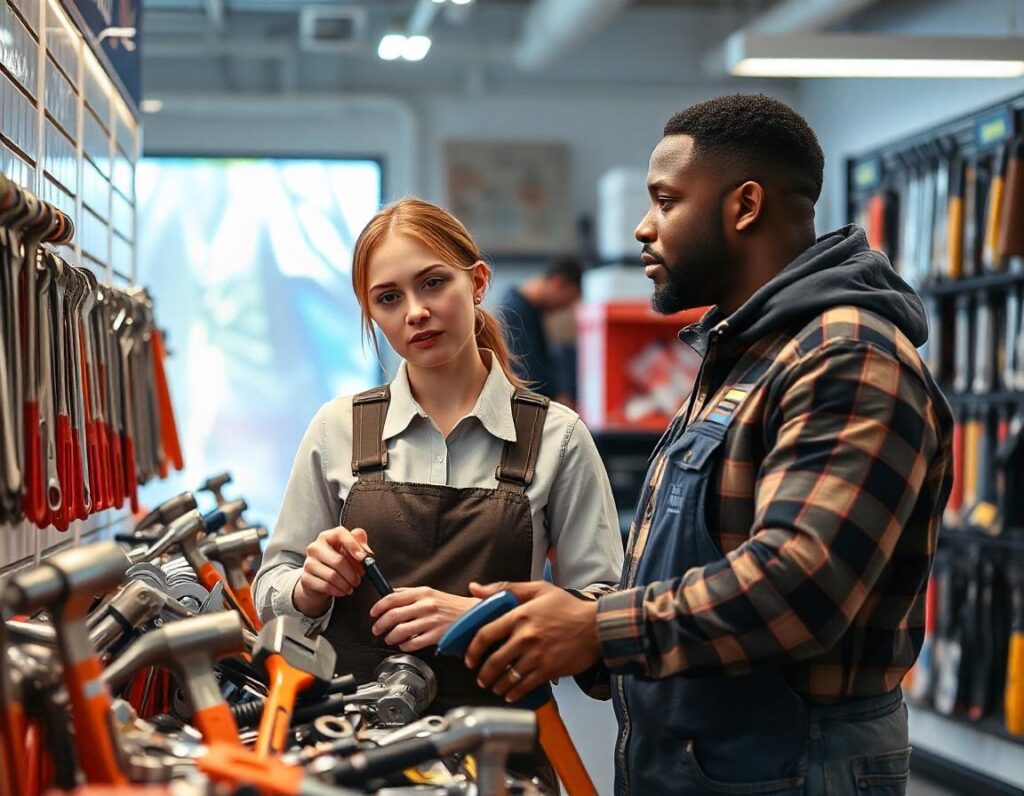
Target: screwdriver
x=376 y=577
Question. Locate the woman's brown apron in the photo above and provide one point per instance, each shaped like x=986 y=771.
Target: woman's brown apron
x=437 y=536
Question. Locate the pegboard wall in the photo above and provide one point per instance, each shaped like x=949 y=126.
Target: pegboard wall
x=69 y=137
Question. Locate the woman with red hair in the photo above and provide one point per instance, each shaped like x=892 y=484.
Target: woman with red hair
x=452 y=473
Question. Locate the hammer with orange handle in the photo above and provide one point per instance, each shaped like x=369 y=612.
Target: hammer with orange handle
x=65 y=585
x=293 y=664
x=190 y=647
x=230 y=552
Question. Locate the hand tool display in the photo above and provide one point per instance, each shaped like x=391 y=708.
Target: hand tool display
x=959 y=241
x=162 y=680
x=85 y=410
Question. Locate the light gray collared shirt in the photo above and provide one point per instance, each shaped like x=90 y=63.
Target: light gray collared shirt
x=570 y=496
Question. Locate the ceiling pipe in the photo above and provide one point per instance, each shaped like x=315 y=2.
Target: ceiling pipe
x=805 y=16
x=553 y=27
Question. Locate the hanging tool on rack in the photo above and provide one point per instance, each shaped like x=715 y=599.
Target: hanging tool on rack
x=994 y=201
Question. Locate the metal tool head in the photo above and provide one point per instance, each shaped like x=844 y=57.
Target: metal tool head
x=216 y=482
x=410 y=687
x=183 y=532
x=236 y=546
x=78 y=573
x=285 y=636
x=179 y=644
x=472 y=727
x=168 y=511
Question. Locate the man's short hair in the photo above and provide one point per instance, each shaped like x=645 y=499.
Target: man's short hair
x=756 y=131
x=567 y=267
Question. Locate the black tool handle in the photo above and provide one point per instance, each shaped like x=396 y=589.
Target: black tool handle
x=376 y=577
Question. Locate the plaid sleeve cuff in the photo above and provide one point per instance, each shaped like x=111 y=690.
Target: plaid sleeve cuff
x=620 y=627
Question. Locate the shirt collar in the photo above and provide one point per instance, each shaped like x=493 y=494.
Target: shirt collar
x=493 y=407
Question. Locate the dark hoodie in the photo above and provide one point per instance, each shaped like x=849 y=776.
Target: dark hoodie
x=788 y=526
x=840 y=269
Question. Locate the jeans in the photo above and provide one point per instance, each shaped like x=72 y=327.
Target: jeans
x=858 y=748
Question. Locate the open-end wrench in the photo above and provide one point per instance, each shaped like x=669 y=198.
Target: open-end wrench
x=65 y=445
x=12 y=319
x=89 y=390
x=82 y=502
x=37 y=226
x=109 y=370
x=100 y=397
x=54 y=498
x=125 y=339
x=9 y=463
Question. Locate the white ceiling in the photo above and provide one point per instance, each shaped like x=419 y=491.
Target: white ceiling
x=253 y=46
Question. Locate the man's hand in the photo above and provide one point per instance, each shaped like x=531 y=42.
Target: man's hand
x=549 y=635
x=333 y=568
x=412 y=619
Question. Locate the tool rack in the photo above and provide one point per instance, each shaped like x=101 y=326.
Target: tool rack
x=71 y=137
x=972 y=283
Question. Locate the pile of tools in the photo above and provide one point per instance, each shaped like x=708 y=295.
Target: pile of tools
x=85 y=410
x=140 y=662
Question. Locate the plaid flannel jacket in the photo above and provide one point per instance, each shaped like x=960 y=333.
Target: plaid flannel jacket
x=826 y=504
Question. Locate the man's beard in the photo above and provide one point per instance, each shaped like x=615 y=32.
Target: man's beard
x=672 y=296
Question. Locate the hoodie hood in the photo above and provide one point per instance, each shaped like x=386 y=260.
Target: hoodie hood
x=840 y=269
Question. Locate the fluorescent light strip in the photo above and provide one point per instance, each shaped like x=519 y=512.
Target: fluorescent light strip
x=876 y=67
x=750 y=54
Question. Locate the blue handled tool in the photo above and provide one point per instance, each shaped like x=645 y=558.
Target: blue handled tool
x=554 y=737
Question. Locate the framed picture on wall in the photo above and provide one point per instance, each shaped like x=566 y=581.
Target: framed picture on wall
x=513 y=196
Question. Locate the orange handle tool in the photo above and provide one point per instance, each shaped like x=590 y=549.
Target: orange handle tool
x=90 y=705
x=286 y=682
x=168 y=426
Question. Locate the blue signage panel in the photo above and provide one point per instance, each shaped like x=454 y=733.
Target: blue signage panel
x=109 y=22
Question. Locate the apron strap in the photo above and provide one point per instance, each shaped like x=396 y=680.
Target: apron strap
x=369 y=452
x=519 y=458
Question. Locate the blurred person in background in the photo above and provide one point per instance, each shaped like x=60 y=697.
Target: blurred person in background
x=451 y=473
x=524 y=310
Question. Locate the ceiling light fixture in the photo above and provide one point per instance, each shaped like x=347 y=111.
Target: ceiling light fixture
x=416 y=48
x=391 y=46
x=151 y=105
x=750 y=54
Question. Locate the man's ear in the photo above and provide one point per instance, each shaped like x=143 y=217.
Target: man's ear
x=748 y=204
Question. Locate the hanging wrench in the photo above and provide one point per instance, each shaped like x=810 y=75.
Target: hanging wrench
x=11 y=469
x=38 y=225
x=99 y=394
x=122 y=325
x=83 y=502
x=109 y=371
x=65 y=446
x=89 y=387
x=53 y=488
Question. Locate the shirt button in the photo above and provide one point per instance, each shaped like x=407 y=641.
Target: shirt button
x=439 y=459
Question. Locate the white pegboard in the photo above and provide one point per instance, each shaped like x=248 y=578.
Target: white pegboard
x=68 y=136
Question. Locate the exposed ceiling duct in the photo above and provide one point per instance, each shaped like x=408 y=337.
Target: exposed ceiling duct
x=553 y=27
x=805 y=16
x=786 y=17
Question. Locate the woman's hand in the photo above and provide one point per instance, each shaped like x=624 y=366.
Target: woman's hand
x=333 y=568
x=412 y=619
